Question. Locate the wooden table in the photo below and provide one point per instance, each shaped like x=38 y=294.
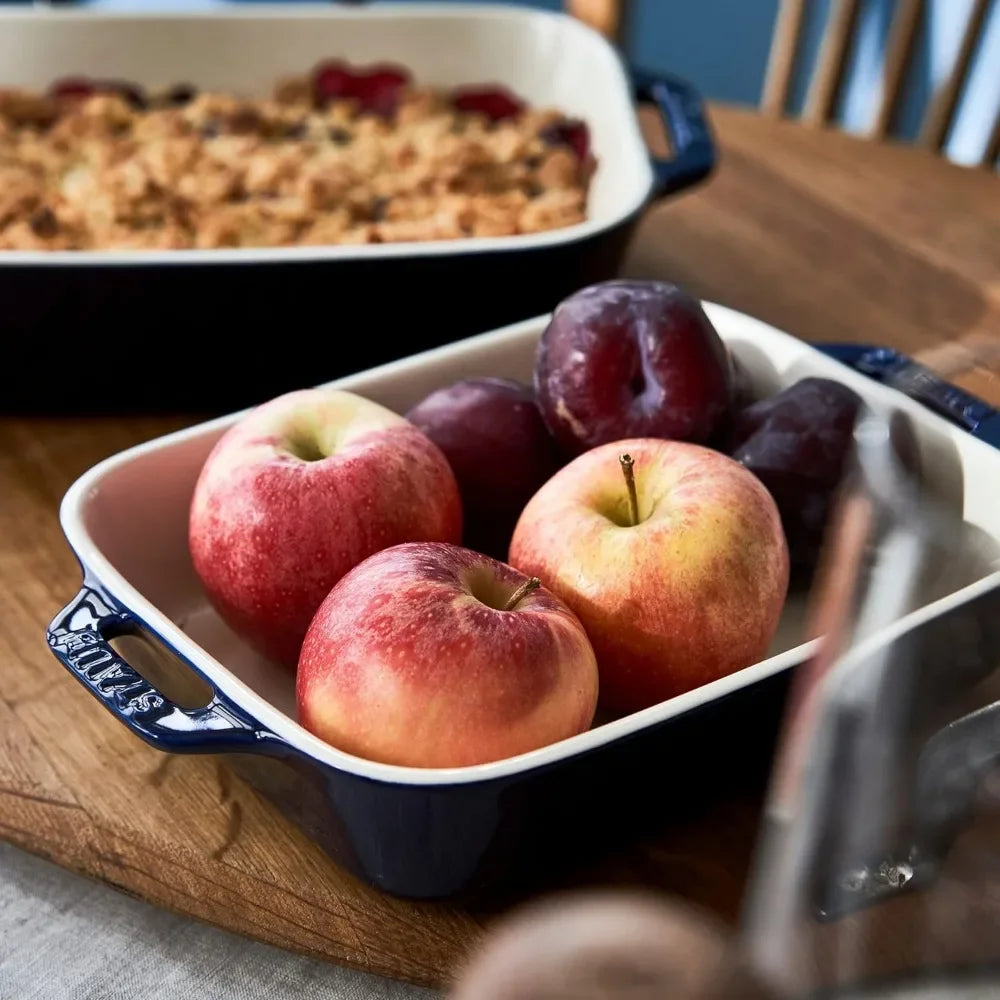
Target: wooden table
x=820 y=234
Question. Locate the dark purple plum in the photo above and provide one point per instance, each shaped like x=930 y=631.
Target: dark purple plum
x=625 y=359
x=797 y=443
x=493 y=436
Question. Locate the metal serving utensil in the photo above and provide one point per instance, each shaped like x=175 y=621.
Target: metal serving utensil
x=893 y=725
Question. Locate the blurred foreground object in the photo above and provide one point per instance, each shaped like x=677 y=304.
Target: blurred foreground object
x=606 y=945
x=878 y=870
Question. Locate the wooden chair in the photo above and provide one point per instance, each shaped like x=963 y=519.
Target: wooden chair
x=827 y=75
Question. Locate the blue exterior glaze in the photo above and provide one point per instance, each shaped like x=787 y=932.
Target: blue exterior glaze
x=472 y=841
x=319 y=320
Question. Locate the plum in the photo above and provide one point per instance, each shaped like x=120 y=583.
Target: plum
x=493 y=435
x=631 y=359
x=797 y=443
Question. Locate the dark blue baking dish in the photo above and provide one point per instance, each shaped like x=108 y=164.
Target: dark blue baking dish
x=443 y=832
x=322 y=312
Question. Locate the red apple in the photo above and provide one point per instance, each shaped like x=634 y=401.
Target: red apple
x=686 y=589
x=298 y=492
x=432 y=655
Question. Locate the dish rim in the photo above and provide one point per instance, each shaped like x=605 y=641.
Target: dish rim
x=567 y=235
x=98 y=569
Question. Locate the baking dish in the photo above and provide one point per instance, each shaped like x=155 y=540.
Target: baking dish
x=443 y=832
x=321 y=312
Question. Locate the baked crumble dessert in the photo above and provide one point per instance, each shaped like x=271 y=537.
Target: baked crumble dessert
x=338 y=156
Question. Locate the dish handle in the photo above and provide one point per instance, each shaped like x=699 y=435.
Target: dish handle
x=886 y=365
x=80 y=635
x=683 y=114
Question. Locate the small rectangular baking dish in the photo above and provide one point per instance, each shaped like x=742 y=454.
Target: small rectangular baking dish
x=320 y=312
x=443 y=832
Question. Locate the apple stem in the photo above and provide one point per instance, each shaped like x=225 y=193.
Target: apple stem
x=526 y=588
x=628 y=470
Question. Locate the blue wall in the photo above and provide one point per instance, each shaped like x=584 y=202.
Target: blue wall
x=720 y=45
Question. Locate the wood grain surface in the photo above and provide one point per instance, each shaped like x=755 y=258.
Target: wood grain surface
x=823 y=235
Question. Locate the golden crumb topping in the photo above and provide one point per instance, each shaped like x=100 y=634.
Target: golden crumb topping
x=107 y=168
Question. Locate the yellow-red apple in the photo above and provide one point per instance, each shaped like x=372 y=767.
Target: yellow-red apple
x=299 y=491
x=677 y=585
x=433 y=655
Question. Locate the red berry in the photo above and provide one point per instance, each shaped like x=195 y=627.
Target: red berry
x=332 y=81
x=73 y=87
x=493 y=102
x=80 y=87
x=375 y=88
x=378 y=90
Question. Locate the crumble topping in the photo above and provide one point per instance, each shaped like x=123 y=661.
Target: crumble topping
x=91 y=167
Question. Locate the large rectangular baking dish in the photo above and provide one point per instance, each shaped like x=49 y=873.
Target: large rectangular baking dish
x=316 y=313
x=434 y=833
